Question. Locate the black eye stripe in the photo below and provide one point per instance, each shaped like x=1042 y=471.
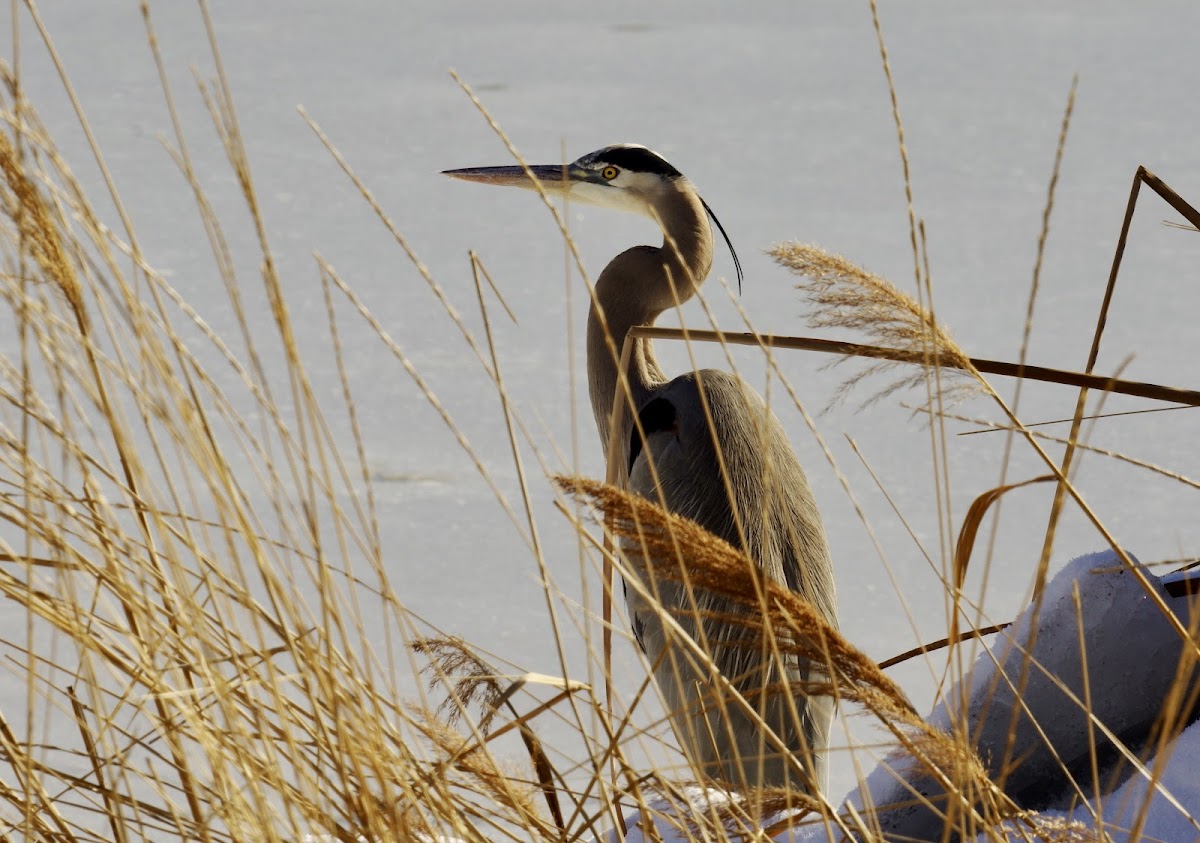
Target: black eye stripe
x=638 y=159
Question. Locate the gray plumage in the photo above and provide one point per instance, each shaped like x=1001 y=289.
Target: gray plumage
x=763 y=482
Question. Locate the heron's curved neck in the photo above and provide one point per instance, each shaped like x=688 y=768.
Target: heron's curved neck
x=637 y=286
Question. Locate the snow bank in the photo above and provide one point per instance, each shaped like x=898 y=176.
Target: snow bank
x=1128 y=664
x=1166 y=813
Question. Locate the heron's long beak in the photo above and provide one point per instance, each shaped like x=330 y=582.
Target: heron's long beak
x=551 y=176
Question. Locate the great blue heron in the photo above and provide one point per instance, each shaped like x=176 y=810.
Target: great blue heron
x=754 y=495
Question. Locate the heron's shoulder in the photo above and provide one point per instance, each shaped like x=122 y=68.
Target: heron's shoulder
x=636 y=256
x=720 y=390
x=712 y=406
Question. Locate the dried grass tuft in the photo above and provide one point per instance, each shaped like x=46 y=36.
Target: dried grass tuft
x=844 y=295
x=462 y=675
x=1048 y=829
x=36 y=225
x=714 y=565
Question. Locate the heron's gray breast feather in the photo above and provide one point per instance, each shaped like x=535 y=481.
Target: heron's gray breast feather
x=687 y=423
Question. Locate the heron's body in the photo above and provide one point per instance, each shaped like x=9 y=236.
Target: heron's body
x=713 y=453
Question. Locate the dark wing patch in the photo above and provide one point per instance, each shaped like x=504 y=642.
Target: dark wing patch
x=656 y=415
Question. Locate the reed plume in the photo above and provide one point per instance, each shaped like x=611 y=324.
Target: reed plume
x=37 y=226
x=844 y=295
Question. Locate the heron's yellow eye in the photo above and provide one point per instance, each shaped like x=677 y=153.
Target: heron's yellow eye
x=610 y=172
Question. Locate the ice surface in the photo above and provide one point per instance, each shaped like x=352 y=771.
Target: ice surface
x=781 y=115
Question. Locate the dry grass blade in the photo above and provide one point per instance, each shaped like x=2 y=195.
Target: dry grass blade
x=974 y=518
x=843 y=295
x=941 y=643
x=118 y=830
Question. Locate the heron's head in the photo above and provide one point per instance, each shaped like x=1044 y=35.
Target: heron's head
x=627 y=177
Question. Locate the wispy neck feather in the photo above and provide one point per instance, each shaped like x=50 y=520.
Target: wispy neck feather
x=637 y=286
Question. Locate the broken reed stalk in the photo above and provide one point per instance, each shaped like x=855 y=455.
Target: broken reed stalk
x=1140 y=389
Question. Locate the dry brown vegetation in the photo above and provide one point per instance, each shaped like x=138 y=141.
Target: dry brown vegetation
x=843 y=295
x=195 y=661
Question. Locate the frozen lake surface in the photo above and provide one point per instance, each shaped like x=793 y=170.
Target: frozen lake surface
x=779 y=112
